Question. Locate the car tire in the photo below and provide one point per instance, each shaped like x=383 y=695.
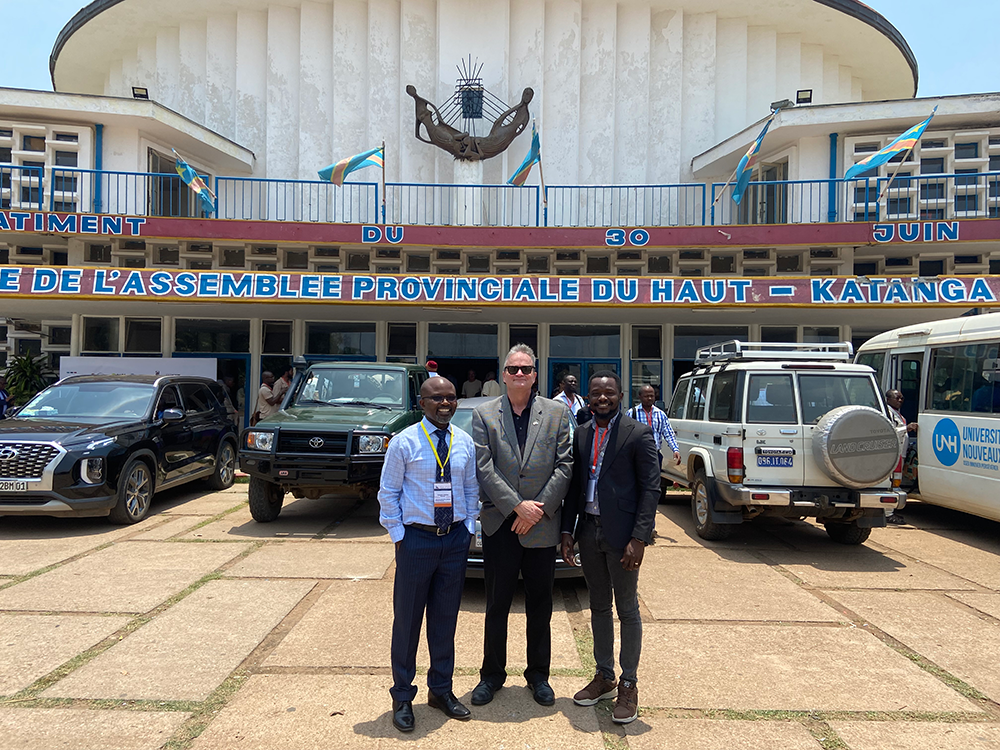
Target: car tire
x=265 y=500
x=701 y=512
x=135 y=493
x=225 y=467
x=848 y=533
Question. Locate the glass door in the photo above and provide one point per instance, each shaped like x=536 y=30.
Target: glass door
x=583 y=369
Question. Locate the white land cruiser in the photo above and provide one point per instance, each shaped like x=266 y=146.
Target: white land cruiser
x=791 y=430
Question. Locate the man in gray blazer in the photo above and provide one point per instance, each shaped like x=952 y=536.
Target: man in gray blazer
x=523 y=463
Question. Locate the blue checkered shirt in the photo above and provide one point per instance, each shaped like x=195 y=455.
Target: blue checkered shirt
x=661 y=426
x=406 y=491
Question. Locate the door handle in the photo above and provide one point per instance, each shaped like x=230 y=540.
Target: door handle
x=717 y=439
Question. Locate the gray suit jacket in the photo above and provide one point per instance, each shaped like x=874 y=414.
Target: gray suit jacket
x=541 y=474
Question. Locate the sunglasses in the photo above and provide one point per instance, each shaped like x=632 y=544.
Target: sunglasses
x=514 y=369
x=439 y=399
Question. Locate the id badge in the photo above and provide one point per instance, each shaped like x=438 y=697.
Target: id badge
x=442 y=494
x=591 y=489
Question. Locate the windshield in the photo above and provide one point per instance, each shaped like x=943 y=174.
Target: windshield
x=91 y=400
x=360 y=387
x=820 y=393
x=463 y=420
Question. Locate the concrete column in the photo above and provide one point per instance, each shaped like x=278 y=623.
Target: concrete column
x=632 y=76
x=845 y=84
x=254 y=371
x=666 y=60
x=316 y=90
x=467 y=203
x=386 y=112
x=167 y=335
x=191 y=81
x=730 y=77
x=811 y=75
x=282 y=92
x=562 y=113
x=145 y=67
x=114 y=85
x=168 y=68
x=418 y=42
x=251 y=85
x=526 y=67
x=76 y=335
x=298 y=337
x=350 y=81
x=220 y=74
x=857 y=94
x=762 y=71
x=831 y=79
x=697 y=89
x=788 y=66
x=598 y=36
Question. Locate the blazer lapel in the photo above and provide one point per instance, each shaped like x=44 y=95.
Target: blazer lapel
x=507 y=427
x=533 y=427
x=622 y=431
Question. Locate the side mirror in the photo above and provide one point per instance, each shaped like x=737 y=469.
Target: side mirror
x=172 y=415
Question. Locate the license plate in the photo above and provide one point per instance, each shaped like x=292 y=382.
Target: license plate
x=13 y=485
x=774 y=461
x=479 y=540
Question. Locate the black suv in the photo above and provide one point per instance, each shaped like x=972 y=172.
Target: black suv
x=101 y=445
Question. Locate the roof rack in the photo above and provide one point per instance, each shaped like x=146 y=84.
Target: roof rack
x=762 y=350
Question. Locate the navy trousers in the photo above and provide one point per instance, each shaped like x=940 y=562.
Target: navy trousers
x=430 y=576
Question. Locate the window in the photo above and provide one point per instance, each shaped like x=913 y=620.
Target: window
x=5 y=154
x=418 y=263
x=779 y=334
x=966 y=180
x=897 y=206
x=233 y=257
x=33 y=143
x=168 y=256
x=659 y=264
x=140 y=263
x=725 y=404
x=931 y=268
x=966 y=378
x=390 y=253
x=199 y=264
x=67 y=137
x=341 y=339
x=891 y=262
x=358 y=261
x=524 y=335
x=678 y=404
x=789 y=263
x=30 y=194
x=538 y=264
x=756 y=255
x=967 y=202
x=276 y=337
x=167 y=195
x=770 y=399
x=967 y=260
x=865 y=268
x=692 y=255
x=821 y=393
x=585 y=342
x=402 y=342
x=723 y=264
x=932 y=166
x=212 y=336
x=462 y=340
x=60 y=335
x=29 y=347
x=197 y=398
x=478 y=264
x=509 y=255
x=65 y=158
x=931 y=143
x=297 y=259
x=598 y=264
x=696 y=398
x=967 y=150
x=142 y=336
x=820 y=335
x=646 y=342
x=100 y=334
x=567 y=255
x=449 y=255
x=875 y=360
x=822 y=252
x=865 y=148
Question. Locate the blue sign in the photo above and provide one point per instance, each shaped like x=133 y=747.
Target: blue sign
x=947 y=442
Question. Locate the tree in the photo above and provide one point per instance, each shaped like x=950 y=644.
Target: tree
x=26 y=376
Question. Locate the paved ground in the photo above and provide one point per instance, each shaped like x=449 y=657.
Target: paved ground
x=200 y=628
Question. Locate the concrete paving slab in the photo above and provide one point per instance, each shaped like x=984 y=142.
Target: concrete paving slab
x=698 y=584
x=986 y=602
x=963 y=554
x=34 y=728
x=783 y=667
x=353 y=711
x=195 y=501
x=127 y=577
x=172 y=527
x=911 y=735
x=189 y=650
x=351 y=626
x=928 y=623
x=31 y=646
x=865 y=568
x=356 y=529
x=674 y=527
x=655 y=732
x=280 y=560
x=300 y=520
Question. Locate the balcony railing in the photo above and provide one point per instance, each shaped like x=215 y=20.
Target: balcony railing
x=909 y=197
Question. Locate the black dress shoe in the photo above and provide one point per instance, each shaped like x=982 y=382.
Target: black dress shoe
x=542 y=693
x=449 y=705
x=402 y=715
x=483 y=693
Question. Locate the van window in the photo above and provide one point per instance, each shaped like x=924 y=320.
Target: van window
x=964 y=378
x=678 y=404
x=724 y=404
x=696 y=398
x=876 y=361
x=821 y=393
x=770 y=399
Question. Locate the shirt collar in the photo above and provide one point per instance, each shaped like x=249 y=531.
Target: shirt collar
x=432 y=428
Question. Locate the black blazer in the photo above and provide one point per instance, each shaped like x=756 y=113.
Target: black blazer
x=628 y=488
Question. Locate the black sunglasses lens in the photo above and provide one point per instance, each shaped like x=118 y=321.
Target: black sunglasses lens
x=514 y=369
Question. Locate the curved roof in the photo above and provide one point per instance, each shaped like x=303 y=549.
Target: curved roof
x=81 y=74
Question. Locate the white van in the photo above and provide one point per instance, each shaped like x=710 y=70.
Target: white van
x=949 y=374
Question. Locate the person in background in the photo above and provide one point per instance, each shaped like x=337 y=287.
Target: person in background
x=432 y=369
x=491 y=388
x=281 y=384
x=472 y=387
x=428 y=502
x=610 y=510
x=908 y=446
x=6 y=400
x=568 y=394
x=267 y=403
x=655 y=419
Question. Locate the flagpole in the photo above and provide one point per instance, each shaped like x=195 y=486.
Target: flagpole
x=541 y=178
x=887 y=184
x=723 y=191
x=383 y=182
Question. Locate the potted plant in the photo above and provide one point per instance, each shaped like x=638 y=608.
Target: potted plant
x=26 y=376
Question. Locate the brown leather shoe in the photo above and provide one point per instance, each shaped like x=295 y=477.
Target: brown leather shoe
x=627 y=705
x=599 y=688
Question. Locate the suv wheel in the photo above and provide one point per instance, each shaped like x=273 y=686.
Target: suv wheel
x=135 y=493
x=701 y=512
x=265 y=500
x=847 y=533
x=225 y=467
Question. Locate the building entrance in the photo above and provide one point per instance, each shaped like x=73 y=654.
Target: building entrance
x=583 y=369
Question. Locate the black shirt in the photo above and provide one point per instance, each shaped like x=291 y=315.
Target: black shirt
x=521 y=422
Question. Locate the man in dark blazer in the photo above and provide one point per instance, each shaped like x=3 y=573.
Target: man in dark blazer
x=523 y=463
x=610 y=510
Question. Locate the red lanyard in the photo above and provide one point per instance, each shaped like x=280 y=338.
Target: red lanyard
x=598 y=444
x=569 y=401
x=649 y=415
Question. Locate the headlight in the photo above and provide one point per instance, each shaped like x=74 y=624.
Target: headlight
x=92 y=470
x=259 y=441
x=373 y=443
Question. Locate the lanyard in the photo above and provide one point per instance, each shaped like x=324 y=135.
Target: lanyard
x=570 y=402
x=447 y=458
x=599 y=441
x=648 y=418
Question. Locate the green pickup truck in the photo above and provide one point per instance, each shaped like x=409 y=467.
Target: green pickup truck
x=332 y=430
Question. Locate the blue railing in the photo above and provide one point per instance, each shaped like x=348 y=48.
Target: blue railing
x=21 y=187
x=908 y=197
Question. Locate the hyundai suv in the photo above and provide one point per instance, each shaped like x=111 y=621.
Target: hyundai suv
x=790 y=430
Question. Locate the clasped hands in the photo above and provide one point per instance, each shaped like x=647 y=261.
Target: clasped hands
x=529 y=512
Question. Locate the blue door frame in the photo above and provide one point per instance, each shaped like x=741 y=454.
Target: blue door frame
x=585 y=366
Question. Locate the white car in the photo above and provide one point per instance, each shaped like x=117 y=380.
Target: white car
x=793 y=430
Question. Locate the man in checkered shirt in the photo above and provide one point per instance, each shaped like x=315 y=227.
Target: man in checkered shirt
x=656 y=420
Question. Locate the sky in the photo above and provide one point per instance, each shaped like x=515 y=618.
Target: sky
x=953 y=40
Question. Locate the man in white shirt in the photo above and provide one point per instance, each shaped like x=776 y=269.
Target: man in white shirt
x=281 y=384
x=432 y=369
x=472 y=387
x=568 y=396
x=267 y=402
x=491 y=388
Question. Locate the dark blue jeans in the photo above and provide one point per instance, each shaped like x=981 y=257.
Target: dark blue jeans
x=606 y=579
x=430 y=575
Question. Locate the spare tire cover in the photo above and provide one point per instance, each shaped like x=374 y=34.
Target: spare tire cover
x=856 y=446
